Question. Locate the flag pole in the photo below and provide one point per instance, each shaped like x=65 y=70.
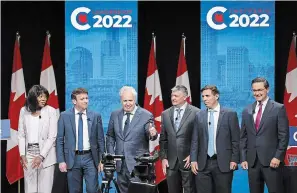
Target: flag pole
x=294 y=38
x=18 y=39
x=184 y=43
x=154 y=41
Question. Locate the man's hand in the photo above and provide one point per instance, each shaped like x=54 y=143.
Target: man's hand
x=63 y=167
x=165 y=165
x=194 y=166
x=152 y=130
x=187 y=164
x=244 y=165
x=36 y=162
x=233 y=165
x=24 y=162
x=100 y=167
x=274 y=163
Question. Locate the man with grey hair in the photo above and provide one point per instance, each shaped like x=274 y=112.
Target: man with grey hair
x=129 y=131
x=175 y=141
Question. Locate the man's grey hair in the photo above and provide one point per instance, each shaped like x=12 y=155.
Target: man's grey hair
x=181 y=88
x=128 y=88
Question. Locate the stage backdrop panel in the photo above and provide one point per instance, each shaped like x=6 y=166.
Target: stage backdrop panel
x=237 y=45
x=101 y=52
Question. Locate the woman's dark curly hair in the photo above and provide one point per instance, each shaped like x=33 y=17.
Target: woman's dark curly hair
x=31 y=104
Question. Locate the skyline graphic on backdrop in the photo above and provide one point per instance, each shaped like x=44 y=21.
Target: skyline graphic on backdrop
x=232 y=57
x=101 y=60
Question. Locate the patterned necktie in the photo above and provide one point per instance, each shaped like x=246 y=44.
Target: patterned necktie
x=80 y=133
x=210 y=150
x=258 y=118
x=127 y=123
x=177 y=119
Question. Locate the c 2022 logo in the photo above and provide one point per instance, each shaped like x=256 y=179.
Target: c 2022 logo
x=106 y=21
x=242 y=20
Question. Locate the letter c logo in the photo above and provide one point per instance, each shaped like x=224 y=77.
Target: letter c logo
x=210 y=21
x=74 y=15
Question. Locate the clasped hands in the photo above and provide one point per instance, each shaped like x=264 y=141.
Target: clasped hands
x=37 y=160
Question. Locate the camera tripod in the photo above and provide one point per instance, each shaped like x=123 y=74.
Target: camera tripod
x=105 y=186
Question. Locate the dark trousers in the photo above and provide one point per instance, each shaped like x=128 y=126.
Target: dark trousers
x=258 y=174
x=212 y=180
x=84 y=167
x=123 y=179
x=180 y=178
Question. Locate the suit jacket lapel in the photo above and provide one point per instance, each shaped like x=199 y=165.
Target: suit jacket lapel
x=171 y=115
x=135 y=120
x=251 y=112
x=120 y=120
x=40 y=128
x=72 y=120
x=265 y=114
x=90 y=119
x=222 y=111
x=185 y=116
x=205 y=125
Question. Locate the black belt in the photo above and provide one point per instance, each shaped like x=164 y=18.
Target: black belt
x=82 y=152
x=214 y=157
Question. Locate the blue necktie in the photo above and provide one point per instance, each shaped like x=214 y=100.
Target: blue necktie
x=80 y=133
x=210 y=150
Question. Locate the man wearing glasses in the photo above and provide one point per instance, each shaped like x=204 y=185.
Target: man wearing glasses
x=263 y=139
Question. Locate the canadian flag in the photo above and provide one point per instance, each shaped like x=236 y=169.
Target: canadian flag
x=153 y=102
x=182 y=76
x=47 y=77
x=290 y=100
x=14 y=170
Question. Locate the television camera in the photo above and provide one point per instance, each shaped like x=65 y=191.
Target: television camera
x=143 y=175
x=109 y=167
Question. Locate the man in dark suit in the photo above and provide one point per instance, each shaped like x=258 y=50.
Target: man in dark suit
x=263 y=140
x=129 y=131
x=80 y=144
x=177 y=124
x=215 y=145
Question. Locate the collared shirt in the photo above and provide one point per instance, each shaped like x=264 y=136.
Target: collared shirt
x=264 y=103
x=131 y=116
x=86 y=142
x=216 y=114
x=181 y=113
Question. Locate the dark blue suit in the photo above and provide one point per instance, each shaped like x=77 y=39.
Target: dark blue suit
x=80 y=165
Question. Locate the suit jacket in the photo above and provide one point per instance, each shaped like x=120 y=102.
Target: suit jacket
x=66 y=139
x=227 y=139
x=47 y=134
x=136 y=140
x=272 y=137
x=176 y=145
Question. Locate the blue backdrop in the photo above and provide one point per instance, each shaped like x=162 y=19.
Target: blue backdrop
x=101 y=52
x=237 y=45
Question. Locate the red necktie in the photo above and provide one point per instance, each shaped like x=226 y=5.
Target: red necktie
x=258 y=118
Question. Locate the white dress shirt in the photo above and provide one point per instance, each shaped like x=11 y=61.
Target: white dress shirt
x=181 y=112
x=264 y=103
x=86 y=142
x=33 y=129
x=131 y=117
x=216 y=114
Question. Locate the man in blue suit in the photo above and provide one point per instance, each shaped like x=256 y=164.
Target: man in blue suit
x=80 y=144
x=129 y=131
x=215 y=144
